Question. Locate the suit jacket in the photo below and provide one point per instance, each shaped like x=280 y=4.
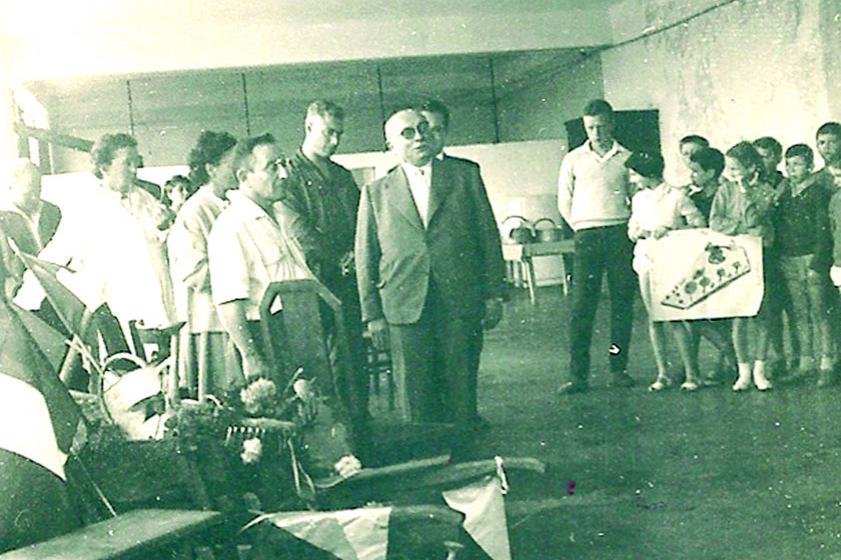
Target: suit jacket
x=459 y=250
x=13 y=226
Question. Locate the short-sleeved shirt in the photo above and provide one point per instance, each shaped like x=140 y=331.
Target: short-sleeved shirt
x=662 y=207
x=248 y=250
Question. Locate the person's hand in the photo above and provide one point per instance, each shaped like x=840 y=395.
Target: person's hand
x=659 y=232
x=835 y=275
x=253 y=366
x=346 y=265
x=493 y=313
x=378 y=330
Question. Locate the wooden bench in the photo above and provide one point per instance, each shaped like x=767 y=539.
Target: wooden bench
x=134 y=534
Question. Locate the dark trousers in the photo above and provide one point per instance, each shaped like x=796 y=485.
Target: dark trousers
x=354 y=389
x=435 y=364
x=600 y=250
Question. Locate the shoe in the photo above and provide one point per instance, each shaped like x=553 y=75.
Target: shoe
x=761 y=381
x=622 y=380
x=659 y=384
x=689 y=386
x=573 y=388
x=742 y=384
x=825 y=378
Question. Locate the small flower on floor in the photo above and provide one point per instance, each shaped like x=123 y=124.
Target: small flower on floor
x=252 y=451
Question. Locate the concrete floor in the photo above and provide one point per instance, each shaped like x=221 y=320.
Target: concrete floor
x=713 y=474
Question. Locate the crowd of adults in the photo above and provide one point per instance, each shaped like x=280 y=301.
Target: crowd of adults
x=414 y=257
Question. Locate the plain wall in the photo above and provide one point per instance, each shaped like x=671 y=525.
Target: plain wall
x=751 y=68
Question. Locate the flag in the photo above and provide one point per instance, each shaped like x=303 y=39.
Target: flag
x=483 y=506
x=70 y=299
x=68 y=307
x=352 y=534
x=38 y=417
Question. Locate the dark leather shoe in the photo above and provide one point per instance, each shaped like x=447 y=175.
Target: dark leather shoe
x=573 y=388
x=622 y=380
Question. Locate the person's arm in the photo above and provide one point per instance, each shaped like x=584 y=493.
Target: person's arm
x=229 y=281
x=299 y=219
x=721 y=214
x=822 y=258
x=566 y=188
x=187 y=250
x=367 y=256
x=493 y=266
x=693 y=217
x=232 y=315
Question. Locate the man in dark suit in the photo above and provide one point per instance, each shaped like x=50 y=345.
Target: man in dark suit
x=430 y=271
x=25 y=220
x=438 y=117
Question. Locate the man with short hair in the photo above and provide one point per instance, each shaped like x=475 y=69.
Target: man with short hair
x=593 y=198
x=319 y=208
x=430 y=269
x=25 y=220
x=248 y=249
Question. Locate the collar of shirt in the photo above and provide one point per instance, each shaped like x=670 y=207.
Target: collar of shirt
x=247 y=207
x=798 y=188
x=208 y=192
x=614 y=150
x=440 y=156
x=424 y=171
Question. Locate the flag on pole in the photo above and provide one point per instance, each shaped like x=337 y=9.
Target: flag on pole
x=483 y=506
x=38 y=417
x=352 y=534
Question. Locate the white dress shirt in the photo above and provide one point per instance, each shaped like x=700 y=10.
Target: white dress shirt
x=420 y=183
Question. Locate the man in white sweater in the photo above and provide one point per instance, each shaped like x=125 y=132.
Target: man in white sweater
x=593 y=198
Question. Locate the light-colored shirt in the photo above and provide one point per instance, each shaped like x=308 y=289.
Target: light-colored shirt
x=420 y=183
x=248 y=250
x=113 y=245
x=188 y=262
x=593 y=190
x=662 y=207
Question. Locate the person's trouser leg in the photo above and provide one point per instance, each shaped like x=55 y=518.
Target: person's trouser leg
x=586 y=287
x=621 y=287
x=413 y=358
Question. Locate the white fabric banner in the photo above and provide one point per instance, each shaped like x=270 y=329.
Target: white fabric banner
x=483 y=506
x=27 y=425
x=700 y=274
x=353 y=534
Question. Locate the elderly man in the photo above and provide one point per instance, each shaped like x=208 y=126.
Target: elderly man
x=438 y=116
x=25 y=220
x=248 y=249
x=593 y=198
x=430 y=271
x=319 y=208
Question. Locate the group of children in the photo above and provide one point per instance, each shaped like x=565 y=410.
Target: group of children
x=798 y=217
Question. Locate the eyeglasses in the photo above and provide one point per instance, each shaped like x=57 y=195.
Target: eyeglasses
x=421 y=129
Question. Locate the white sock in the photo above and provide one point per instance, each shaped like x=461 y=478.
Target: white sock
x=826 y=363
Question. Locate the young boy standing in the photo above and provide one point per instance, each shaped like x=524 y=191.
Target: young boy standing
x=799 y=232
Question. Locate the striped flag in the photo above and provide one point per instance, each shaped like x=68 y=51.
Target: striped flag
x=38 y=417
